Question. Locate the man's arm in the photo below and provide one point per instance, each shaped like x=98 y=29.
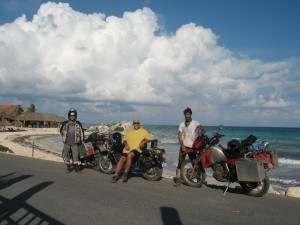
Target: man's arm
x=143 y=143
x=148 y=136
x=180 y=139
x=82 y=131
x=62 y=126
x=126 y=146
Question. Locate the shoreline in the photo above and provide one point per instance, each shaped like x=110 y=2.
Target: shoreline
x=26 y=142
x=21 y=144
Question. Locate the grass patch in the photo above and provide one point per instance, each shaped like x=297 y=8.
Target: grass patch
x=5 y=149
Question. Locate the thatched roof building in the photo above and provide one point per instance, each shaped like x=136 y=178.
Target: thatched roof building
x=17 y=116
x=40 y=119
x=34 y=117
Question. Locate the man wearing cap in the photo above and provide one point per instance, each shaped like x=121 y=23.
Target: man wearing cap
x=134 y=141
x=72 y=133
x=186 y=137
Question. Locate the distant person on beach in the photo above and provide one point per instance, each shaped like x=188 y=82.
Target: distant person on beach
x=72 y=133
x=134 y=141
x=186 y=138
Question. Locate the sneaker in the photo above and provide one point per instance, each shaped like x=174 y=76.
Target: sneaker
x=77 y=169
x=115 y=178
x=177 y=181
x=69 y=168
x=125 y=177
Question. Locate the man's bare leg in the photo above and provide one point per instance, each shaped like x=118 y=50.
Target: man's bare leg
x=118 y=169
x=127 y=166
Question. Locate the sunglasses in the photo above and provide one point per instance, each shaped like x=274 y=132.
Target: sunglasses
x=135 y=123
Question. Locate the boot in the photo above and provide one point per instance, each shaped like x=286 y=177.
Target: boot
x=69 y=168
x=177 y=179
x=77 y=169
x=115 y=178
x=125 y=177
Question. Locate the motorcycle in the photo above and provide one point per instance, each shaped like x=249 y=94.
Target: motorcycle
x=88 y=153
x=245 y=162
x=149 y=163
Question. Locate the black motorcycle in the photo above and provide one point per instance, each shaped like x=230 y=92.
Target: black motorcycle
x=88 y=153
x=149 y=163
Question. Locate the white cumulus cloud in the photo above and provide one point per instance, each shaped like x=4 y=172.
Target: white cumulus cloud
x=109 y=64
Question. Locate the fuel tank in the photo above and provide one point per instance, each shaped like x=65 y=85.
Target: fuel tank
x=217 y=154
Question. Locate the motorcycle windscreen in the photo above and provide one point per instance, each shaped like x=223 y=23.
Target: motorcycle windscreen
x=250 y=170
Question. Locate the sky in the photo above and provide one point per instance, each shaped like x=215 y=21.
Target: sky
x=234 y=62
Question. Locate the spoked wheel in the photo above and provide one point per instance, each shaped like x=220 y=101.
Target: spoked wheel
x=256 y=189
x=105 y=164
x=153 y=174
x=190 y=175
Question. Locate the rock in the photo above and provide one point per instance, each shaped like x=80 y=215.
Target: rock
x=272 y=191
x=109 y=128
x=283 y=193
x=5 y=149
x=293 y=192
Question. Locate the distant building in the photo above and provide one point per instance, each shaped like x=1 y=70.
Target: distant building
x=33 y=119
x=8 y=113
x=16 y=115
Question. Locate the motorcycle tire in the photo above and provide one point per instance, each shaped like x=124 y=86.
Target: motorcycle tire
x=256 y=189
x=105 y=164
x=153 y=174
x=185 y=174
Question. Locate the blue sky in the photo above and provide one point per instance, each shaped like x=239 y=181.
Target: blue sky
x=238 y=58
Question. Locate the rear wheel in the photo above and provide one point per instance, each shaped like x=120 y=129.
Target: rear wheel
x=256 y=189
x=191 y=176
x=153 y=173
x=105 y=164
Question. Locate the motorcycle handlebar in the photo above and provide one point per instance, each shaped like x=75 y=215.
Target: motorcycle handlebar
x=215 y=139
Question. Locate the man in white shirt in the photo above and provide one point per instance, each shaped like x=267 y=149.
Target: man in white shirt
x=186 y=137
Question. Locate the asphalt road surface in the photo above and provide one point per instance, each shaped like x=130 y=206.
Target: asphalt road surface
x=42 y=192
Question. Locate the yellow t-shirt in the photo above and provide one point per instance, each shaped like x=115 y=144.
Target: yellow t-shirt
x=135 y=137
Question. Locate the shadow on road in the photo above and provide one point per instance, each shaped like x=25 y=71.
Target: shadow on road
x=6 y=175
x=17 y=211
x=5 y=183
x=235 y=190
x=170 y=216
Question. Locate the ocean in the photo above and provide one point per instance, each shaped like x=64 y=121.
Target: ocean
x=286 y=141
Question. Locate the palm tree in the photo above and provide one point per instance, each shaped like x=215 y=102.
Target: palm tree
x=32 y=108
x=17 y=110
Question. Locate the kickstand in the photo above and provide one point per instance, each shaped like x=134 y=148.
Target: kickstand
x=224 y=193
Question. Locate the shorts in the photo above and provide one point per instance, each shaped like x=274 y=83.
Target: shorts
x=135 y=152
x=181 y=158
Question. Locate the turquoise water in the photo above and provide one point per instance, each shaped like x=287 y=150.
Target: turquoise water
x=286 y=141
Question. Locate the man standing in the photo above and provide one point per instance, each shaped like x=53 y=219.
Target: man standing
x=73 y=136
x=134 y=141
x=186 y=138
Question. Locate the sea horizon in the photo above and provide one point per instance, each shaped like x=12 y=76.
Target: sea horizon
x=157 y=124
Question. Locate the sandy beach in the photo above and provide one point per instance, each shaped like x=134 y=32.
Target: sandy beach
x=12 y=140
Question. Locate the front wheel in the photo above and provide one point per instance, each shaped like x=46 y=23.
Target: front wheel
x=105 y=164
x=191 y=175
x=256 y=189
x=153 y=173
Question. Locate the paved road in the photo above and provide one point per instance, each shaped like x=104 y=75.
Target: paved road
x=41 y=192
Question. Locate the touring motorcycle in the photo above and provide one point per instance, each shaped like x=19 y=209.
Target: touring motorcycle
x=88 y=152
x=148 y=164
x=245 y=162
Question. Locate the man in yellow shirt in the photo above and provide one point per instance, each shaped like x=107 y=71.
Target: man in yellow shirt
x=134 y=141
